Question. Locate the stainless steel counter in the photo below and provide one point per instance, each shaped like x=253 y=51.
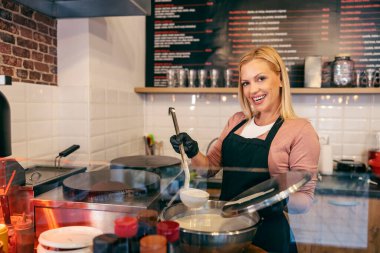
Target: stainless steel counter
x=52 y=210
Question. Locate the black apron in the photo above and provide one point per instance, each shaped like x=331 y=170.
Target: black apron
x=273 y=235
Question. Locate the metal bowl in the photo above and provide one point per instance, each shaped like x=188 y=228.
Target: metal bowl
x=216 y=241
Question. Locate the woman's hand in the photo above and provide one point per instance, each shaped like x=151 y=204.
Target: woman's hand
x=189 y=145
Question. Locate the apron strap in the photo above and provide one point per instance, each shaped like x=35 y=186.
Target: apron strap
x=238 y=126
x=273 y=131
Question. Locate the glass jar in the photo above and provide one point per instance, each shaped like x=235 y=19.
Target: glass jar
x=153 y=244
x=343 y=70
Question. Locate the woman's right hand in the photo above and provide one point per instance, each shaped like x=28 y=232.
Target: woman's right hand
x=190 y=146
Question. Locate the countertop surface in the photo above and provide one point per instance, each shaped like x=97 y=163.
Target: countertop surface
x=339 y=183
x=349 y=184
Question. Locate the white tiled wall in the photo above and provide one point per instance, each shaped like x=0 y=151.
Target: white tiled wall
x=117 y=65
x=32 y=120
x=349 y=120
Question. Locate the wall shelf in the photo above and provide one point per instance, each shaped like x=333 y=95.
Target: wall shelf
x=329 y=91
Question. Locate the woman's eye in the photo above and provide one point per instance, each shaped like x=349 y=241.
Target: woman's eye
x=244 y=84
x=261 y=78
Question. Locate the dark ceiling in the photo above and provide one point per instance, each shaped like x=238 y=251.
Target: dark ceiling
x=89 y=8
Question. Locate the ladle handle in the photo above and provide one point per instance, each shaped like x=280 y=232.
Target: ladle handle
x=185 y=166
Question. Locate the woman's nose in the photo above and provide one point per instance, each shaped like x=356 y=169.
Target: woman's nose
x=253 y=88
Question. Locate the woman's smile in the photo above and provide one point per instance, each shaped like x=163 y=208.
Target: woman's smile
x=258 y=99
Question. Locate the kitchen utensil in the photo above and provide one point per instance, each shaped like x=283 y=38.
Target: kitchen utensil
x=193 y=198
x=265 y=194
x=164 y=166
x=64 y=153
x=201 y=235
x=115 y=185
x=221 y=240
x=44 y=178
x=349 y=165
x=5 y=201
x=24 y=235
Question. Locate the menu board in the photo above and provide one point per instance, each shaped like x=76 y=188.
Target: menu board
x=213 y=34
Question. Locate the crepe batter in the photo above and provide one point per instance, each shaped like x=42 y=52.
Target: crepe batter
x=213 y=223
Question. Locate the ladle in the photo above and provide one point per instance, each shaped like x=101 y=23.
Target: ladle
x=191 y=197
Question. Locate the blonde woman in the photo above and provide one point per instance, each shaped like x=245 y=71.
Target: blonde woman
x=265 y=134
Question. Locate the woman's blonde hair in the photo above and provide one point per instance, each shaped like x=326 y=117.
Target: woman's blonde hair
x=275 y=62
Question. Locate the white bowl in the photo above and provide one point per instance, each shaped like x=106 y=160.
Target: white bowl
x=193 y=198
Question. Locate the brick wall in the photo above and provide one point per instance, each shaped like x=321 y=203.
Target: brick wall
x=28 y=44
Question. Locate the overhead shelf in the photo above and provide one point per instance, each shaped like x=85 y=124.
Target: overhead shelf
x=329 y=91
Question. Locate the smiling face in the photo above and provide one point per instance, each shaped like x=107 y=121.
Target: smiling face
x=261 y=87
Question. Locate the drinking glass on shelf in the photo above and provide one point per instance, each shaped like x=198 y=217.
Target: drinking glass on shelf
x=171 y=77
x=358 y=73
x=214 y=77
x=181 y=74
x=376 y=80
x=370 y=76
x=202 y=77
x=228 y=77
x=192 y=76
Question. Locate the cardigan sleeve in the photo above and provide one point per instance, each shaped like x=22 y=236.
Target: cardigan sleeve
x=304 y=156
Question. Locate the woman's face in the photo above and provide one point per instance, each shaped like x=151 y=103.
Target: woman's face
x=261 y=87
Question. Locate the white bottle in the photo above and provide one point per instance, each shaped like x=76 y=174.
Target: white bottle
x=325 y=164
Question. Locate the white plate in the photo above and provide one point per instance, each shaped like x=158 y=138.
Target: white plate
x=69 y=237
x=40 y=249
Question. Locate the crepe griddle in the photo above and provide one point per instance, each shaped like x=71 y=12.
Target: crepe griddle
x=161 y=165
x=117 y=185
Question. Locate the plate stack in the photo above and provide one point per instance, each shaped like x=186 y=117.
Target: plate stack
x=72 y=239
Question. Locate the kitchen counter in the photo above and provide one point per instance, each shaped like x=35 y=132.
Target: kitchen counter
x=345 y=184
x=349 y=184
x=344 y=217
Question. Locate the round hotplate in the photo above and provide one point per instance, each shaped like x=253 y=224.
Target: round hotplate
x=145 y=161
x=165 y=166
x=117 y=185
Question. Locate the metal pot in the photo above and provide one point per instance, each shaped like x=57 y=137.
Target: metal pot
x=216 y=241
